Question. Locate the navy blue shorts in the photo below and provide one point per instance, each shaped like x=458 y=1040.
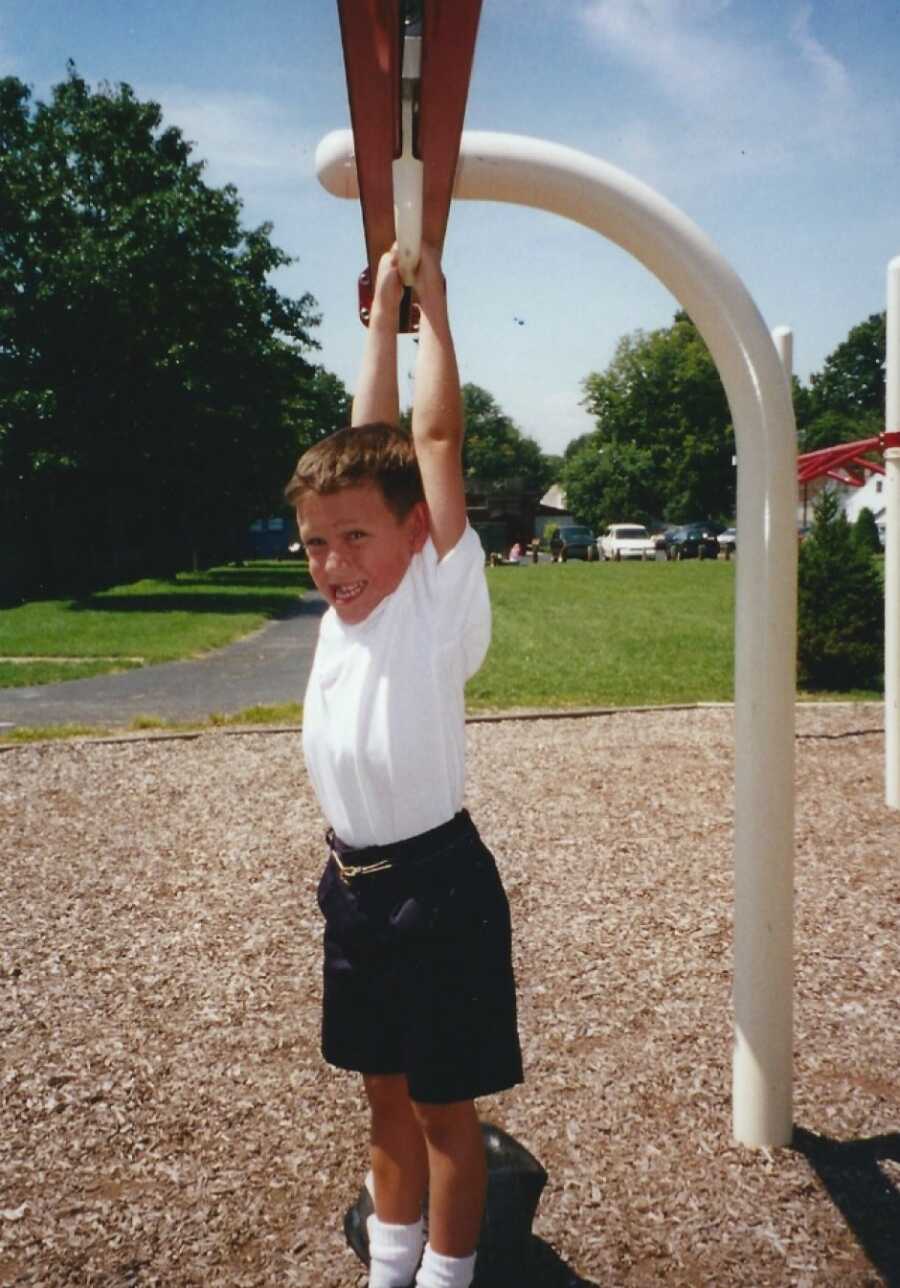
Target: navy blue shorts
x=418 y=976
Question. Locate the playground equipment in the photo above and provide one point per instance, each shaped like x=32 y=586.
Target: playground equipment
x=892 y=541
x=848 y=464
x=408 y=67
x=530 y=172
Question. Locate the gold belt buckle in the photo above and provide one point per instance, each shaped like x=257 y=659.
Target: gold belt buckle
x=347 y=871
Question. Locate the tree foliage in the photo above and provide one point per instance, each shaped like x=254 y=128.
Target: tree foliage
x=321 y=406
x=831 y=428
x=605 y=485
x=148 y=368
x=495 y=450
x=664 y=442
x=840 y=636
x=845 y=400
x=852 y=378
x=663 y=445
x=865 y=532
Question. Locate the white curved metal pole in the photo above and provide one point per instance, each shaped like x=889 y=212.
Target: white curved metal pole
x=783 y=339
x=524 y=171
x=892 y=545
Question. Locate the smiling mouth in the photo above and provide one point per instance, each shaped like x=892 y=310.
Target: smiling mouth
x=348 y=592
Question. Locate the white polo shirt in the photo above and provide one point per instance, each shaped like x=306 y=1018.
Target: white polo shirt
x=384 y=716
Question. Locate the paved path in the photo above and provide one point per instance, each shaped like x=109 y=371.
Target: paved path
x=271 y=666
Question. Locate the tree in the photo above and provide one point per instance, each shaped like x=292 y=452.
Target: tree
x=865 y=532
x=321 y=406
x=147 y=364
x=831 y=428
x=553 y=465
x=852 y=379
x=845 y=400
x=495 y=450
x=662 y=397
x=574 y=445
x=610 y=484
x=840 y=637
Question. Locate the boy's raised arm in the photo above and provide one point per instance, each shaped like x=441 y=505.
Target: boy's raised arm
x=377 y=396
x=437 y=420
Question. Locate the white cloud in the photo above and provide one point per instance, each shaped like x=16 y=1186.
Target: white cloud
x=741 y=96
x=830 y=71
x=244 y=138
x=674 y=41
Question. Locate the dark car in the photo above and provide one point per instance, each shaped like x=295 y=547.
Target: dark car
x=692 y=541
x=577 y=543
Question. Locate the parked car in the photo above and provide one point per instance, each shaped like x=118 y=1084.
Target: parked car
x=692 y=541
x=728 y=541
x=577 y=543
x=626 y=541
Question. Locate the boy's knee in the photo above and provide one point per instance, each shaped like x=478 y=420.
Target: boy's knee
x=443 y=1124
x=387 y=1093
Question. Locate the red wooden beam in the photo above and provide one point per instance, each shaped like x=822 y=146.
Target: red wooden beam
x=371 y=37
x=812 y=465
x=449 y=30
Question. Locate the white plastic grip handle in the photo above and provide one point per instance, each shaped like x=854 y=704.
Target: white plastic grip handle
x=407 y=170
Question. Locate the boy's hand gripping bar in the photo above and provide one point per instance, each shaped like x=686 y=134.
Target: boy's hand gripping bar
x=408 y=65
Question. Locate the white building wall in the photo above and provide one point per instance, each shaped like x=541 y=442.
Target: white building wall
x=870 y=495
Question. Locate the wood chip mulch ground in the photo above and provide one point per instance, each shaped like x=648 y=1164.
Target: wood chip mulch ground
x=165 y=1118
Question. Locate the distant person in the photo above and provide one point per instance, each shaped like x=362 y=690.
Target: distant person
x=515 y=553
x=419 y=994
x=556 y=547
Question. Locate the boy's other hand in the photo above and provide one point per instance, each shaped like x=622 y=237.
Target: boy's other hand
x=430 y=287
x=388 y=285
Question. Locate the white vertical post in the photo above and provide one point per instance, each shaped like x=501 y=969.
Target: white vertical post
x=783 y=338
x=892 y=543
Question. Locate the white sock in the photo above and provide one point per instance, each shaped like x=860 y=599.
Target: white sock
x=438 y=1271
x=394 y=1252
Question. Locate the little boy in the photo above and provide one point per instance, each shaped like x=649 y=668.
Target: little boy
x=419 y=994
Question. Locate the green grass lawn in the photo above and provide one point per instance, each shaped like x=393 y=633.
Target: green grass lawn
x=144 y=622
x=25 y=674
x=565 y=635
x=609 y=634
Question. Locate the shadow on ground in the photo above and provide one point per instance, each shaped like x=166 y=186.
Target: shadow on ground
x=273 y=606
x=548 y=1270
x=864 y=1195
x=288 y=575
x=243 y=590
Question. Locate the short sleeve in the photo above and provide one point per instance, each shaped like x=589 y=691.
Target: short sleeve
x=462 y=609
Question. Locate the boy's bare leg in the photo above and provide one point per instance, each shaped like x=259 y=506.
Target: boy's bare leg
x=399 y=1158
x=457 y=1176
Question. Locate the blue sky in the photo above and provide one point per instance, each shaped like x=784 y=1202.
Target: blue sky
x=773 y=124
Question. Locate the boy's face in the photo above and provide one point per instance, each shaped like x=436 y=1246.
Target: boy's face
x=358 y=549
